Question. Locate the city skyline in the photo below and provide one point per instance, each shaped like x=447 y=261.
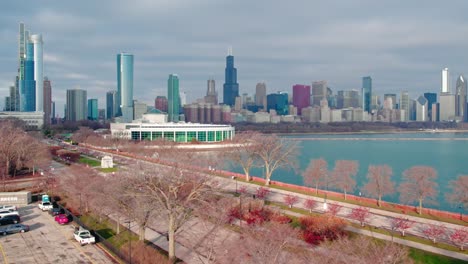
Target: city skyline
x=398 y=56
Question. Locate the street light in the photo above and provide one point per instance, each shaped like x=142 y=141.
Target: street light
x=235 y=178
x=130 y=241
x=360 y=196
x=460 y=207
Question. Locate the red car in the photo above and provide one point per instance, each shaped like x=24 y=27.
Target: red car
x=62 y=219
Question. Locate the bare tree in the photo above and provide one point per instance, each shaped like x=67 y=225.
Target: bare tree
x=459 y=193
x=276 y=152
x=310 y=204
x=401 y=224
x=459 y=237
x=10 y=139
x=333 y=209
x=343 y=174
x=379 y=183
x=419 y=185
x=360 y=214
x=262 y=244
x=360 y=249
x=316 y=173
x=82 y=134
x=290 y=200
x=174 y=190
x=434 y=232
x=244 y=151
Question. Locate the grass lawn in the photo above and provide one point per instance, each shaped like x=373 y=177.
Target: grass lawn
x=107 y=170
x=90 y=162
x=423 y=257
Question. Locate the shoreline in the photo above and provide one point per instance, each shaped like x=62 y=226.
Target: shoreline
x=426 y=131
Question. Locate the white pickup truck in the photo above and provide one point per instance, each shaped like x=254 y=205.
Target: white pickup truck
x=84 y=237
x=44 y=206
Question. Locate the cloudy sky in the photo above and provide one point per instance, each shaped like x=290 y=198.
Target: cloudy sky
x=403 y=45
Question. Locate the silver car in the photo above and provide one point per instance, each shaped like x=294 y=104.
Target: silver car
x=15 y=228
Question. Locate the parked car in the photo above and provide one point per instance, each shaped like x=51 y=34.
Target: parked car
x=44 y=206
x=6 y=212
x=10 y=219
x=8 y=207
x=62 y=219
x=56 y=211
x=84 y=237
x=15 y=228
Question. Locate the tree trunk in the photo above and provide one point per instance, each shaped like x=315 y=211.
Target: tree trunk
x=247 y=176
x=118 y=225
x=420 y=206
x=403 y=232
x=141 y=235
x=316 y=189
x=345 y=194
x=379 y=202
x=171 y=235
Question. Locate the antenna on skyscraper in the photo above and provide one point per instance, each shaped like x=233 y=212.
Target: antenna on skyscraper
x=230 y=51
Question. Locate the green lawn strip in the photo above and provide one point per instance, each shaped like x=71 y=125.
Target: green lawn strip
x=107 y=170
x=388 y=208
x=424 y=257
x=89 y=161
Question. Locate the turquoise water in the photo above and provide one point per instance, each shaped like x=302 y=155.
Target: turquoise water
x=445 y=152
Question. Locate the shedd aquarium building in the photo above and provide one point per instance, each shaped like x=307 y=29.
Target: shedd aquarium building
x=154 y=126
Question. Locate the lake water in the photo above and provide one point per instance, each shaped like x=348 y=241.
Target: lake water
x=445 y=152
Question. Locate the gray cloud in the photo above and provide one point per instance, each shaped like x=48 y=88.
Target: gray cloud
x=402 y=45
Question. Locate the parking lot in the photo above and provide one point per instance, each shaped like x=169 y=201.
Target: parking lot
x=46 y=242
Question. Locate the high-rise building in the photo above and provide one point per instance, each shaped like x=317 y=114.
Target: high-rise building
x=52 y=107
x=160 y=103
x=101 y=114
x=260 y=95
x=140 y=109
x=211 y=93
x=278 y=102
x=319 y=91
x=393 y=97
x=445 y=88
x=36 y=40
x=346 y=99
x=76 y=105
x=431 y=100
x=182 y=100
x=28 y=84
x=301 y=97
x=460 y=99
x=447 y=107
x=405 y=105
x=93 y=113
x=111 y=106
x=47 y=101
x=124 y=96
x=231 y=87
x=173 y=96
x=366 y=93
x=421 y=109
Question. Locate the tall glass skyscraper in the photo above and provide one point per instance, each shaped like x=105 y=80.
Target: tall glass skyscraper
x=301 y=97
x=366 y=93
x=76 y=105
x=231 y=87
x=173 y=101
x=92 y=109
x=125 y=86
x=36 y=40
x=110 y=104
x=47 y=101
x=28 y=84
x=460 y=99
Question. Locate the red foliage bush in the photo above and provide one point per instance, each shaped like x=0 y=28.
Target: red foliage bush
x=258 y=216
x=233 y=213
x=280 y=218
x=316 y=229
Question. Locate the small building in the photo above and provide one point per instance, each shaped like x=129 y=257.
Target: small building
x=15 y=198
x=107 y=162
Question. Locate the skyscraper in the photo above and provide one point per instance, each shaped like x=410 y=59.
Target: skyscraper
x=231 y=87
x=445 y=81
x=278 y=102
x=173 y=98
x=366 y=93
x=111 y=106
x=76 y=105
x=405 y=104
x=301 y=97
x=460 y=99
x=160 y=103
x=36 y=40
x=125 y=86
x=47 y=101
x=211 y=93
x=260 y=95
x=345 y=99
x=319 y=91
x=421 y=109
x=93 y=109
x=28 y=84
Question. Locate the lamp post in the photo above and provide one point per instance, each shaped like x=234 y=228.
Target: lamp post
x=129 y=241
x=80 y=204
x=235 y=178
x=360 y=196
x=460 y=207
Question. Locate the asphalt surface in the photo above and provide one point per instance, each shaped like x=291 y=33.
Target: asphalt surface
x=46 y=242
